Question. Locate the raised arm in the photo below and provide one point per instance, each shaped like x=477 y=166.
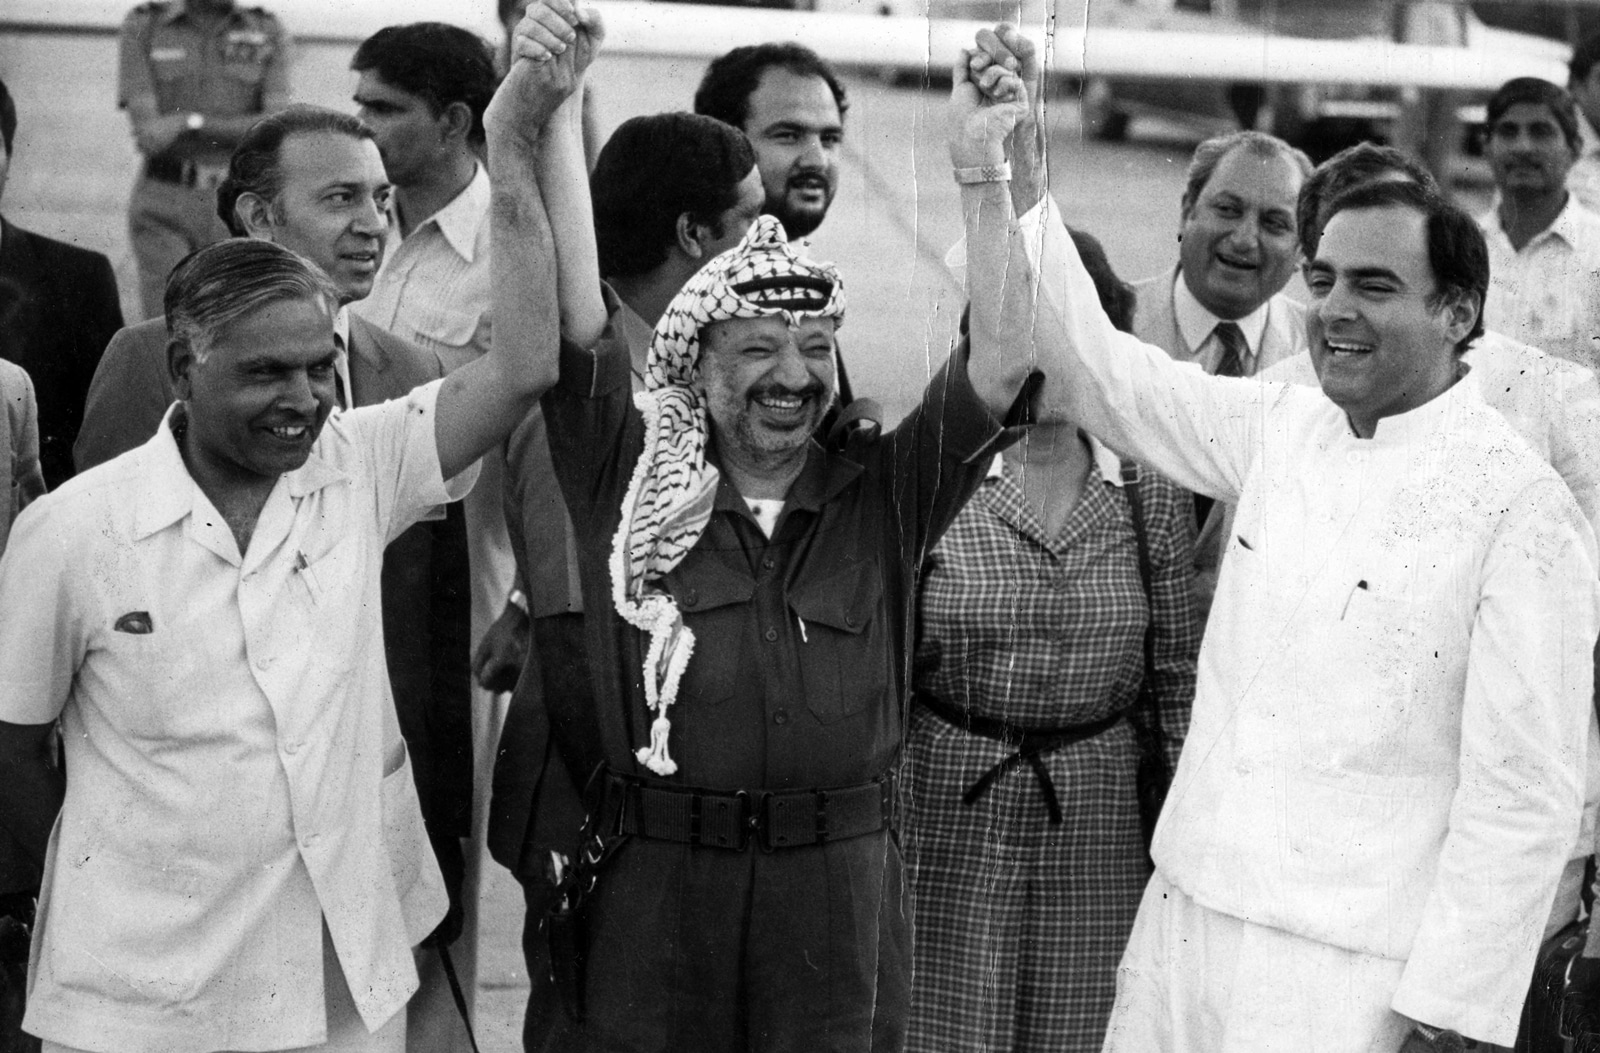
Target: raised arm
x=985 y=106
x=482 y=401
x=563 y=174
x=1033 y=300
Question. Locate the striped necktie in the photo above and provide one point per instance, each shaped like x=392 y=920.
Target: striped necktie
x=1229 y=364
x=338 y=374
x=1231 y=337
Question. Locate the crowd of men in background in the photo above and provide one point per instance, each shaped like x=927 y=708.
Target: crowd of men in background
x=365 y=670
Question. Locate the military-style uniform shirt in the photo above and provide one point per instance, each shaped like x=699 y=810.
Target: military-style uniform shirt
x=796 y=682
x=222 y=65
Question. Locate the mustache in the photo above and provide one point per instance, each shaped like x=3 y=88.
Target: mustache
x=810 y=175
x=808 y=391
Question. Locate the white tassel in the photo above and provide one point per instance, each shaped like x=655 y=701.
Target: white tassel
x=656 y=757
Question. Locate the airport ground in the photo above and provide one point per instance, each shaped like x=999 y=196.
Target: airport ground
x=894 y=220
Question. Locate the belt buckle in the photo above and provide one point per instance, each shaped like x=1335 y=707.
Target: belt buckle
x=761 y=821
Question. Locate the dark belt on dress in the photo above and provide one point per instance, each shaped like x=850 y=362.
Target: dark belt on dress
x=773 y=819
x=1030 y=744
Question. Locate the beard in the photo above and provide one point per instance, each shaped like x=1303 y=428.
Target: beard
x=798 y=219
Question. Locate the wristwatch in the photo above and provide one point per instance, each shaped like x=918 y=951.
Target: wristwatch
x=1442 y=1039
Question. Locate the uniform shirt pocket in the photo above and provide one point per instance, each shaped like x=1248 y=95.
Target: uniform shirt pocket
x=713 y=599
x=843 y=660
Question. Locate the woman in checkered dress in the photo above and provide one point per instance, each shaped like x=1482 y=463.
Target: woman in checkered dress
x=1033 y=617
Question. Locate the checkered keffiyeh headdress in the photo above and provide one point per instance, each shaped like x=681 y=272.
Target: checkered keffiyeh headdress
x=670 y=498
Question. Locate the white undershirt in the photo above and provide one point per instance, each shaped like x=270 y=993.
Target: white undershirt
x=766 y=510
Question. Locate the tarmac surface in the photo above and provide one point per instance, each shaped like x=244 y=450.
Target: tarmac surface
x=895 y=217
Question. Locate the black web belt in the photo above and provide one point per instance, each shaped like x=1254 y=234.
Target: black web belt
x=772 y=819
x=1030 y=744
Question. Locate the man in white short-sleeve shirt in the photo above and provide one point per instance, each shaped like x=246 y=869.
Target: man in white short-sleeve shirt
x=239 y=860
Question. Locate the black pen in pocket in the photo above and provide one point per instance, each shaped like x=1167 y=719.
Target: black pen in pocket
x=1362 y=585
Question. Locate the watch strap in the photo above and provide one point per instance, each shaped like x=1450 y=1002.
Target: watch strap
x=995 y=173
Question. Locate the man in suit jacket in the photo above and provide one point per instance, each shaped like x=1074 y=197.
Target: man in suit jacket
x=19 y=445
x=62 y=306
x=278 y=190
x=1223 y=305
x=1237 y=250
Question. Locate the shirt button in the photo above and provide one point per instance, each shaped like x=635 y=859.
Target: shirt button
x=310 y=840
x=850 y=621
x=291 y=748
x=781 y=717
x=263 y=662
x=691 y=598
x=768 y=563
x=771 y=635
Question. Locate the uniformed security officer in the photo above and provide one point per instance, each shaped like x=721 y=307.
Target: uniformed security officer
x=194 y=75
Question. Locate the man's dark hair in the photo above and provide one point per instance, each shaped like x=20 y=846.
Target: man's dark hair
x=1538 y=93
x=654 y=169
x=1349 y=168
x=440 y=64
x=8 y=117
x=725 y=90
x=1457 y=253
x=1584 y=56
x=1117 y=297
x=1209 y=154
x=227 y=280
x=256 y=164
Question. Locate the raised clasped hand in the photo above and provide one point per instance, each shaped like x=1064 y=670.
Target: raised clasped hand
x=987 y=99
x=551 y=48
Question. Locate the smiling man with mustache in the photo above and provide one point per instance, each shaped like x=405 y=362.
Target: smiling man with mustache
x=791 y=105
x=1223 y=305
x=1237 y=250
x=1544 y=247
x=313 y=180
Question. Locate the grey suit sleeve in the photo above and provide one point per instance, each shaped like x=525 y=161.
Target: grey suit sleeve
x=127 y=398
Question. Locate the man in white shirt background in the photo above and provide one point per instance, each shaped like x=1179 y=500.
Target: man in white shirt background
x=1583 y=80
x=1544 y=247
x=423 y=89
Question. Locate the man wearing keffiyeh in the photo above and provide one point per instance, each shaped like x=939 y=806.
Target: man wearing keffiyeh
x=747 y=597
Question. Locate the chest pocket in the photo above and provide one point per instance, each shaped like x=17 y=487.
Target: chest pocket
x=171 y=60
x=450 y=331
x=845 y=653
x=713 y=598
x=245 y=55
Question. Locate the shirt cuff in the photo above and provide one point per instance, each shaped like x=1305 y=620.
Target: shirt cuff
x=967 y=432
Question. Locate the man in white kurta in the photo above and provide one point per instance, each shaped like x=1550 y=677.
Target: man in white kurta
x=1387 y=746
x=1383 y=777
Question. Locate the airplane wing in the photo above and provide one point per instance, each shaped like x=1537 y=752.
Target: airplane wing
x=1125 y=53
x=914 y=44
